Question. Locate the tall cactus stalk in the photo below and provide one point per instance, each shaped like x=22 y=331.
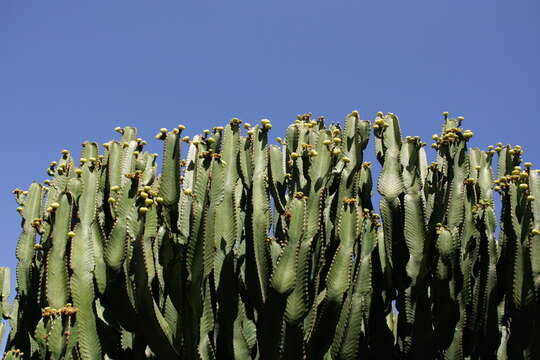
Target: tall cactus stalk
x=249 y=250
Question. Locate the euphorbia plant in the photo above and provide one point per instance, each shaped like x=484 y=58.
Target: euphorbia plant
x=247 y=250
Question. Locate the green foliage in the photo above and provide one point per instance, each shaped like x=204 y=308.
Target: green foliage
x=246 y=250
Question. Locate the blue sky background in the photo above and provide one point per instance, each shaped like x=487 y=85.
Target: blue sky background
x=73 y=70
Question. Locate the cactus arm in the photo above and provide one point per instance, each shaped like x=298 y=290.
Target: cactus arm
x=422 y=165
x=206 y=347
x=82 y=261
x=259 y=255
x=185 y=200
x=338 y=279
x=158 y=332
x=415 y=236
x=277 y=178
x=534 y=185
x=115 y=247
x=57 y=275
x=25 y=246
x=56 y=340
x=356 y=137
x=504 y=165
x=128 y=134
x=244 y=335
x=114 y=164
x=24 y=309
x=321 y=162
x=41 y=334
x=223 y=186
x=100 y=268
x=390 y=183
x=5 y=278
x=283 y=281
x=357 y=308
x=297 y=301
x=246 y=160
x=283 y=277
x=170 y=175
x=128 y=161
x=365 y=186
x=198 y=211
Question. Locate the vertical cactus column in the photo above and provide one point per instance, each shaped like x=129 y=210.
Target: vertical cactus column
x=5 y=310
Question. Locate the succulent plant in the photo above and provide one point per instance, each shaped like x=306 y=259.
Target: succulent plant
x=249 y=250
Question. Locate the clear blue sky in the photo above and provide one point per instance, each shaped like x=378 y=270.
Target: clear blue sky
x=73 y=70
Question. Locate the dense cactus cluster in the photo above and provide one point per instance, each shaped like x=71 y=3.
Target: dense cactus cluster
x=247 y=250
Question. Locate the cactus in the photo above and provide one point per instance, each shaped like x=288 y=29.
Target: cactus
x=250 y=250
x=4 y=298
